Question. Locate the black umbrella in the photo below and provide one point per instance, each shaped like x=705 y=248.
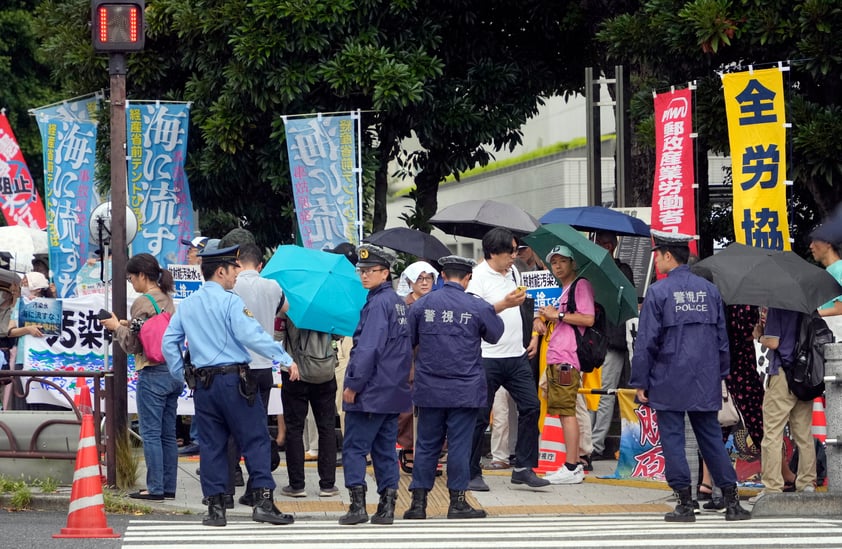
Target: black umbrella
x=757 y=276
x=474 y=218
x=831 y=229
x=411 y=241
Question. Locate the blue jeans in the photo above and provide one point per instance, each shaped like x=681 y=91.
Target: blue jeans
x=157 y=396
x=709 y=437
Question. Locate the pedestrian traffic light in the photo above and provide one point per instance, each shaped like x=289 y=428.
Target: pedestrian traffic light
x=117 y=26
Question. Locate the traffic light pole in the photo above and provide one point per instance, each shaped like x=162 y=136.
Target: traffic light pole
x=117 y=401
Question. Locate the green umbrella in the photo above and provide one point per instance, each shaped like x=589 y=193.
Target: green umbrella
x=611 y=287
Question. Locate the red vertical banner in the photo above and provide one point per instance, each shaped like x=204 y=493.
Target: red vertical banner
x=21 y=204
x=673 y=198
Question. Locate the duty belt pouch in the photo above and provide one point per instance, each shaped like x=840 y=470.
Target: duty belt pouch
x=248 y=385
x=564 y=375
x=189 y=372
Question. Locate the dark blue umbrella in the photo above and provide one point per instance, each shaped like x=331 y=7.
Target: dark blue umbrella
x=597 y=218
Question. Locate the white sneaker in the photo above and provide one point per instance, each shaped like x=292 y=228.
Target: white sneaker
x=566 y=476
x=753 y=499
x=809 y=488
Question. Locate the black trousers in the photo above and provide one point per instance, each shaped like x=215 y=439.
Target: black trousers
x=297 y=396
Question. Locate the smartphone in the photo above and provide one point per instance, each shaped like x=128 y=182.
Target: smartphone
x=103 y=314
x=521 y=288
x=565 y=376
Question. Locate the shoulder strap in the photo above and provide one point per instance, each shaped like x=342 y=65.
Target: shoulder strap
x=571 y=297
x=154 y=303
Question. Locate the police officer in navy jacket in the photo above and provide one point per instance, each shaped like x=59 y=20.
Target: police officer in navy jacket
x=376 y=388
x=447 y=327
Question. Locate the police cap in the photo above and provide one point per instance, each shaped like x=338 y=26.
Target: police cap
x=663 y=239
x=371 y=255
x=456 y=263
x=347 y=249
x=223 y=255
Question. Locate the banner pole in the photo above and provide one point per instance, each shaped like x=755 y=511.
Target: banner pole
x=359 y=176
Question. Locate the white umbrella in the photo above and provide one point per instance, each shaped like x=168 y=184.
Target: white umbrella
x=23 y=243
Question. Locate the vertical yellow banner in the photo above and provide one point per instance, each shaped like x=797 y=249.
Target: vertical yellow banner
x=754 y=105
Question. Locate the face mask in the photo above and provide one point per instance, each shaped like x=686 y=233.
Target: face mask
x=25 y=291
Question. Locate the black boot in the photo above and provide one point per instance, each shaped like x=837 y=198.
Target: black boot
x=733 y=510
x=356 y=512
x=247 y=499
x=386 y=507
x=418 y=507
x=216 y=512
x=460 y=508
x=684 y=509
x=265 y=510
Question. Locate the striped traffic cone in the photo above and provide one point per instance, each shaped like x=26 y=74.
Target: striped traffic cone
x=819 y=420
x=86 y=516
x=552 y=451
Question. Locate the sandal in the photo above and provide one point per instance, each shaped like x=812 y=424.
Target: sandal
x=496 y=466
x=704 y=492
x=405 y=459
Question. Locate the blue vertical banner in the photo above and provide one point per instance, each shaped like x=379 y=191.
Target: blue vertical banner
x=323 y=166
x=158 y=192
x=68 y=134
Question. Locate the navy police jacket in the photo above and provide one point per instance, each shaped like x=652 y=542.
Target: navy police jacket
x=378 y=366
x=681 y=351
x=447 y=326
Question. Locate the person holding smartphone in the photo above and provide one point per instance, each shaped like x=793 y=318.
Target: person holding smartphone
x=562 y=378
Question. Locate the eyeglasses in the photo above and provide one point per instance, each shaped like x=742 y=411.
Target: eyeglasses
x=129 y=277
x=368 y=271
x=422 y=278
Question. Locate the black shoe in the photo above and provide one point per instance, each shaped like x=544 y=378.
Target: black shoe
x=605 y=455
x=238 y=477
x=418 y=508
x=528 y=477
x=228 y=501
x=144 y=494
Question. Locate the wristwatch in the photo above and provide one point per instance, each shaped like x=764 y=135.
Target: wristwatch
x=560 y=317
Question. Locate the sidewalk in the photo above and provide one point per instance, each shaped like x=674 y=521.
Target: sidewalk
x=594 y=496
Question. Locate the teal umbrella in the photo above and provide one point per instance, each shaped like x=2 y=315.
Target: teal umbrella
x=323 y=289
x=611 y=287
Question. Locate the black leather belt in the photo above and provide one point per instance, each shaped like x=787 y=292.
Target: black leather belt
x=223 y=369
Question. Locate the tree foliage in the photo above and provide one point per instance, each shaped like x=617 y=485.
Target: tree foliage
x=455 y=73
x=669 y=42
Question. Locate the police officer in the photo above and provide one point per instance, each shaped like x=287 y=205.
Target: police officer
x=376 y=388
x=680 y=357
x=219 y=328
x=447 y=326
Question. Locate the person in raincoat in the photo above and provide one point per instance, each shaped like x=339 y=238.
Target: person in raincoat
x=447 y=327
x=680 y=357
x=376 y=388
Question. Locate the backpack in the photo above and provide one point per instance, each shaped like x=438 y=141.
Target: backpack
x=151 y=334
x=314 y=353
x=592 y=345
x=805 y=375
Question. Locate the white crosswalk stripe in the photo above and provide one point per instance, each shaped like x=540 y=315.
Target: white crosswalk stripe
x=497 y=532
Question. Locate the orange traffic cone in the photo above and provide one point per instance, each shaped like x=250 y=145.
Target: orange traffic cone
x=86 y=516
x=552 y=451
x=85 y=404
x=819 y=420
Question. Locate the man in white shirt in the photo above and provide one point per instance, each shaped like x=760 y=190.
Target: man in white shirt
x=505 y=362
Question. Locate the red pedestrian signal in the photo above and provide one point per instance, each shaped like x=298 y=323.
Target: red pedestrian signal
x=117 y=26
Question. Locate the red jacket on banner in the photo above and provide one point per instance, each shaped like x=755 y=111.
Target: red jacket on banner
x=21 y=204
x=673 y=199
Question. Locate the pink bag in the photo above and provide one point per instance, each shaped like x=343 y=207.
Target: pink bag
x=151 y=334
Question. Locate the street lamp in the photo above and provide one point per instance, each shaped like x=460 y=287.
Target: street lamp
x=117 y=28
